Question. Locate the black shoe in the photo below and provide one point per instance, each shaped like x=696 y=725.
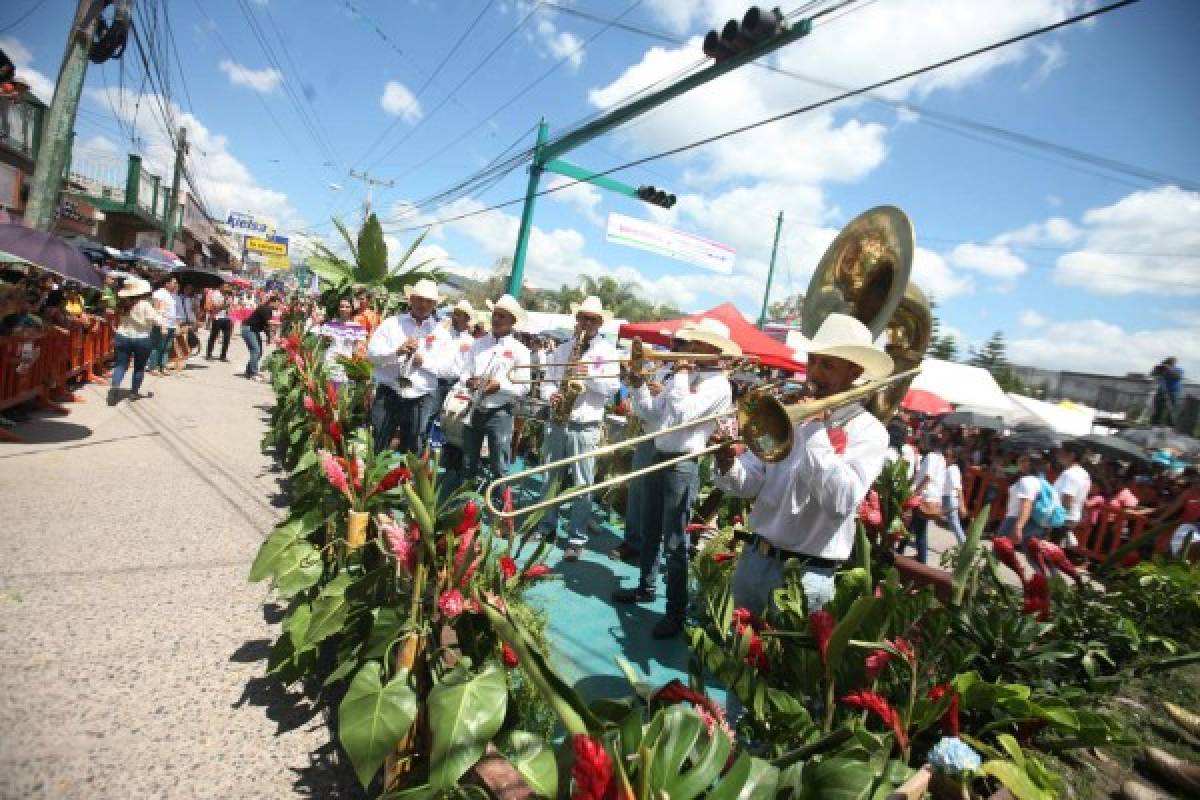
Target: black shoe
x=624 y=552
x=667 y=628
x=637 y=595
x=208 y=358
x=113 y=397
x=223 y=358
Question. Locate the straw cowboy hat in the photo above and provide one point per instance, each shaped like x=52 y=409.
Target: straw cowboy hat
x=464 y=305
x=423 y=288
x=509 y=303
x=709 y=331
x=591 y=305
x=842 y=336
x=135 y=287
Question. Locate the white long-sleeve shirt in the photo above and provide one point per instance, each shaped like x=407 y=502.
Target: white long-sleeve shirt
x=601 y=379
x=434 y=348
x=460 y=346
x=650 y=423
x=686 y=396
x=807 y=503
x=490 y=357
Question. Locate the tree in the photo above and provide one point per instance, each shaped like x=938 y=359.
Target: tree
x=993 y=357
x=944 y=348
x=369 y=267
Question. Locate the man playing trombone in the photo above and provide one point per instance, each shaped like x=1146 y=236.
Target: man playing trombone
x=691 y=392
x=807 y=502
x=578 y=395
x=493 y=394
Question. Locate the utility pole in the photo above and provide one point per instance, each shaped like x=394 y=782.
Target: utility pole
x=762 y=317
x=60 y=122
x=181 y=151
x=371 y=184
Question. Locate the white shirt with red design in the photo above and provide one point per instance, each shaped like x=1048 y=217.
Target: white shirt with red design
x=488 y=358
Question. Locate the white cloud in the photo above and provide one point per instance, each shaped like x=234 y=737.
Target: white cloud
x=1054 y=55
x=1145 y=242
x=1092 y=345
x=1031 y=319
x=561 y=44
x=398 y=101
x=22 y=58
x=225 y=182
x=260 y=80
x=583 y=197
x=994 y=261
x=1056 y=231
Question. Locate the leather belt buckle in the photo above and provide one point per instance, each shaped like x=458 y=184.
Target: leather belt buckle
x=763 y=547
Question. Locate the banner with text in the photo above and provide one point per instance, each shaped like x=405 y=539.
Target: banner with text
x=669 y=242
x=268 y=247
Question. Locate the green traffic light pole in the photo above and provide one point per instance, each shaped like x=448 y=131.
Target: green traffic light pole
x=545 y=152
x=762 y=317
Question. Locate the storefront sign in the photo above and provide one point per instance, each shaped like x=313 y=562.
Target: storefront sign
x=245 y=224
x=268 y=247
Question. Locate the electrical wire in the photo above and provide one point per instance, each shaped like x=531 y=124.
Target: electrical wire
x=23 y=17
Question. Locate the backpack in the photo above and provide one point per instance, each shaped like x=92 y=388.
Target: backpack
x=1048 y=511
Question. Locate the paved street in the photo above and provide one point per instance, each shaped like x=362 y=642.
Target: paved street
x=128 y=632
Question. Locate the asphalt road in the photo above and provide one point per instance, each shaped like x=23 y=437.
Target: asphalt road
x=132 y=649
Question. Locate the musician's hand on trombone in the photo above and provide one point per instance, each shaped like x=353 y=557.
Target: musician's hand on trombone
x=491 y=387
x=408 y=348
x=725 y=457
x=473 y=382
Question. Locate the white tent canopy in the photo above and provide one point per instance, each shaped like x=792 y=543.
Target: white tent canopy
x=1071 y=421
x=966 y=388
x=545 y=322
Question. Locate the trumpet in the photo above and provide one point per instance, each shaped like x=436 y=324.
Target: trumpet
x=643 y=362
x=767 y=427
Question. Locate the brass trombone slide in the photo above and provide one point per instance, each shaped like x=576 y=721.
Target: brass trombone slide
x=767 y=428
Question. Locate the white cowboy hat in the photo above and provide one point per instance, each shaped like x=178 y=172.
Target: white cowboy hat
x=709 y=331
x=464 y=305
x=842 y=336
x=135 y=287
x=509 y=303
x=423 y=288
x=591 y=305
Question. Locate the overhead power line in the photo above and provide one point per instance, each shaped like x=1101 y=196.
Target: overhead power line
x=23 y=17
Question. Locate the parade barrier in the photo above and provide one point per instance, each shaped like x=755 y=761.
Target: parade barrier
x=39 y=367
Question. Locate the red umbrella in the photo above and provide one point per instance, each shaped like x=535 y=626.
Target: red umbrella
x=925 y=402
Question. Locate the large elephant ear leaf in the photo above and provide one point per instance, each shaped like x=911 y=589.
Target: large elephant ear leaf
x=533 y=759
x=372 y=252
x=464 y=714
x=373 y=718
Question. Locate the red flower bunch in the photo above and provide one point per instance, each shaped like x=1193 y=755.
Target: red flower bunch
x=508 y=655
x=822 y=623
x=878 y=705
x=1006 y=553
x=335 y=432
x=451 y=603
x=675 y=692
x=314 y=408
x=537 y=571
x=723 y=557
x=746 y=624
x=592 y=770
x=402 y=543
x=1037 y=597
x=331 y=395
x=869 y=511
x=508 y=567
x=951 y=718
x=507 y=525
x=393 y=479
x=470 y=516
x=911 y=503
x=879 y=659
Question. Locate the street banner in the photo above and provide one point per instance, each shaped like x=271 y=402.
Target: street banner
x=245 y=224
x=266 y=246
x=669 y=242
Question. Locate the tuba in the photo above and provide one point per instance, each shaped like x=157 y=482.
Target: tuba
x=865 y=273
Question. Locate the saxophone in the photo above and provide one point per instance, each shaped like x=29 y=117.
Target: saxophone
x=570 y=387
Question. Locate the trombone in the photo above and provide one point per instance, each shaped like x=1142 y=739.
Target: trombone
x=767 y=427
x=637 y=361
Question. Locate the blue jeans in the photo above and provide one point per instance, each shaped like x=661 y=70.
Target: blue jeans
x=254 y=346
x=952 y=519
x=136 y=348
x=643 y=456
x=920 y=532
x=160 y=342
x=666 y=508
x=402 y=418
x=496 y=425
x=562 y=442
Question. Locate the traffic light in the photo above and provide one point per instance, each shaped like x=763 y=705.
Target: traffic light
x=655 y=196
x=757 y=26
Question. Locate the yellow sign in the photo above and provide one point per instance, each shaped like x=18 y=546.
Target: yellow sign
x=266 y=246
x=277 y=262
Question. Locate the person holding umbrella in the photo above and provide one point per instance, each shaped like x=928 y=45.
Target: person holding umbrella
x=134 y=340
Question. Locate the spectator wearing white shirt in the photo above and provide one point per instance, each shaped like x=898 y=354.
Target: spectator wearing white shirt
x=1022 y=494
x=217 y=306
x=692 y=392
x=1073 y=485
x=485 y=374
x=410 y=352
x=164 y=334
x=600 y=376
x=928 y=485
x=344 y=336
x=954 y=505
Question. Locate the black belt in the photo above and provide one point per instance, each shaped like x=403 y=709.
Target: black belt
x=766 y=549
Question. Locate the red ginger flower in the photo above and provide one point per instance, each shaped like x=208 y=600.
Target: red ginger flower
x=951 y=717
x=1037 y=597
x=312 y=407
x=393 y=479
x=877 y=704
x=1006 y=553
x=331 y=395
x=537 y=571
x=592 y=770
x=508 y=567
x=470 y=516
x=401 y=544
x=508 y=655
x=451 y=603
x=869 y=510
x=822 y=623
x=879 y=659
x=721 y=558
x=335 y=474
x=335 y=432
x=745 y=623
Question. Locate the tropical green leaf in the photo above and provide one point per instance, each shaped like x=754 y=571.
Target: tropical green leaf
x=373 y=718
x=1016 y=780
x=389 y=622
x=966 y=557
x=402 y=262
x=748 y=779
x=330 y=268
x=844 y=630
x=533 y=759
x=837 y=779
x=372 y=252
x=298 y=568
x=267 y=562
x=465 y=712
x=329 y=610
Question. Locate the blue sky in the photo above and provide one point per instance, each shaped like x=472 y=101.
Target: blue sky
x=1082 y=267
